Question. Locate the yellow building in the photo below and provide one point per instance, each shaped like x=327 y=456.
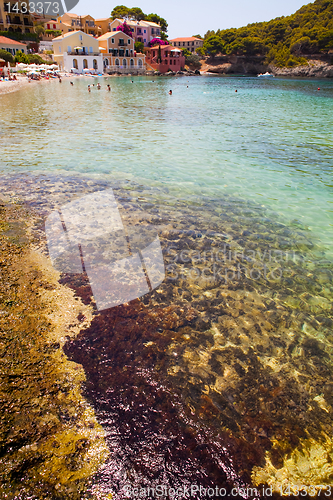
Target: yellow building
x=119 y=54
x=76 y=51
x=72 y=22
x=15 y=17
x=103 y=25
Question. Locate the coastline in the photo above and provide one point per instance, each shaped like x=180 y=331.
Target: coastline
x=57 y=439
x=7 y=87
x=251 y=67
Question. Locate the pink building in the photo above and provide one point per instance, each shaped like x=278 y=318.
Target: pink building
x=169 y=58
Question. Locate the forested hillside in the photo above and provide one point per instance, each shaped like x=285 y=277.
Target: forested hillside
x=284 y=40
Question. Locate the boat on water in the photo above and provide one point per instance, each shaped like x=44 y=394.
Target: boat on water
x=265 y=75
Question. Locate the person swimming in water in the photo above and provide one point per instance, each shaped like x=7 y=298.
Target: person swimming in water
x=108 y=88
x=89 y=89
x=170 y=92
x=98 y=86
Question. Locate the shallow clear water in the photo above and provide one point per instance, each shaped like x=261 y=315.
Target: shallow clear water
x=197 y=381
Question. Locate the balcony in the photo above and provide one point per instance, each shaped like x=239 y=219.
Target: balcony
x=121 y=44
x=85 y=54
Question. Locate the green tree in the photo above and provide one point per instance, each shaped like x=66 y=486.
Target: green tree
x=120 y=12
x=213 y=46
x=7 y=56
x=186 y=52
x=139 y=46
x=209 y=34
x=198 y=36
x=136 y=14
x=39 y=30
x=154 y=18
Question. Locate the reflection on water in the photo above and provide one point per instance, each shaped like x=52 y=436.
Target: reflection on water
x=222 y=375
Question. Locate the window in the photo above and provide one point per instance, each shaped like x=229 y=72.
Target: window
x=140 y=63
x=132 y=63
x=124 y=63
x=129 y=41
x=95 y=64
x=91 y=49
x=80 y=37
x=69 y=48
x=117 y=62
x=192 y=43
x=59 y=49
x=112 y=40
x=114 y=29
x=75 y=63
x=85 y=63
x=145 y=31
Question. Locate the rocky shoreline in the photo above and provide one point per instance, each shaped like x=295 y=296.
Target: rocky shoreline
x=50 y=440
x=239 y=65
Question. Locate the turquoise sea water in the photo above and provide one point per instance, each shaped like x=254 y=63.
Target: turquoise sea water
x=271 y=142
x=201 y=380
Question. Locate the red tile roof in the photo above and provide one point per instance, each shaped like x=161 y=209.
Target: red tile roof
x=4 y=39
x=186 y=39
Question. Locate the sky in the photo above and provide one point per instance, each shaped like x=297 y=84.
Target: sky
x=192 y=17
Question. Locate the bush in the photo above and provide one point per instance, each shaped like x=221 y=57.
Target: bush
x=20 y=36
x=20 y=57
x=158 y=41
x=53 y=32
x=139 y=47
x=193 y=61
x=35 y=59
x=7 y=56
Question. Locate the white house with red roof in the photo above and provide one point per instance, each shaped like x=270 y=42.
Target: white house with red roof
x=12 y=46
x=190 y=43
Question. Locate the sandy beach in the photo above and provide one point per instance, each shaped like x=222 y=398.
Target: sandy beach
x=12 y=86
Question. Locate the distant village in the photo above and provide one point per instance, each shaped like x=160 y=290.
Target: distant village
x=80 y=44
